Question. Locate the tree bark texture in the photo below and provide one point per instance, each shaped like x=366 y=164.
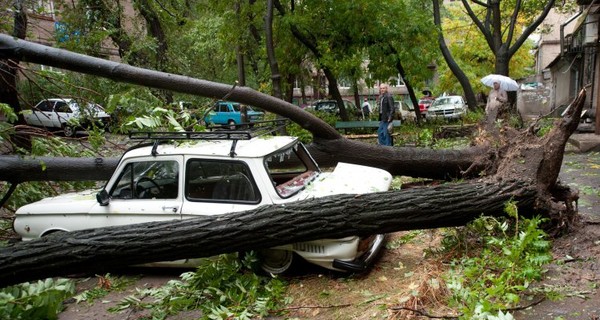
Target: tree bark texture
x=99 y=250
x=16 y=169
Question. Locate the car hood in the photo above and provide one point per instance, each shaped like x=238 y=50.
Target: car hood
x=75 y=202
x=348 y=178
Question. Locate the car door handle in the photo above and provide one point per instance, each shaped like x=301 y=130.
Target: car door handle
x=173 y=208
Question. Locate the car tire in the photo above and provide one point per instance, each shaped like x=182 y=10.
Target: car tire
x=277 y=262
x=68 y=130
x=231 y=124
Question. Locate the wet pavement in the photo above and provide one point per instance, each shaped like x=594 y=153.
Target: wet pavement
x=574 y=277
x=582 y=172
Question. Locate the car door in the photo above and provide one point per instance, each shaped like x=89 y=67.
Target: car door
x=143 y=190
x=62 y=113
x=39 y=112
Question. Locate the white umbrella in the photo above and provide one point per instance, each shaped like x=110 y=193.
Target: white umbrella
x=506 y=83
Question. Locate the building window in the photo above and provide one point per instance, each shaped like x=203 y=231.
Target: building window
x=44 y=7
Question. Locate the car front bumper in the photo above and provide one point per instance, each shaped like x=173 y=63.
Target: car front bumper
x=362 y=262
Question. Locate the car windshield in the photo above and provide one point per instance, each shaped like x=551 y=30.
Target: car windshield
x=291 y=170
x=446 y=100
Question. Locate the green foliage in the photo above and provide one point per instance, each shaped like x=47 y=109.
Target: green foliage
x=293 y=129
x=107 y=284
x=8 y=112
x=500 y=259
x=220 y=288
x=404 y=239
x=472 y=53
x=32 y=301
x=544 y=126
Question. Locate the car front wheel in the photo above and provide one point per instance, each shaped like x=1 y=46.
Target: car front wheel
x=277 y=262
x=68 y=130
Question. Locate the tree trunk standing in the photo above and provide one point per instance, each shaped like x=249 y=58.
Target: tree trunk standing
x=335 y=94
x=238 y=52
x=102 y=249
x=309 y=42
x=275 y=75
x=356 y=95
x=454 y=67
x=411 y=92
x=8 y=74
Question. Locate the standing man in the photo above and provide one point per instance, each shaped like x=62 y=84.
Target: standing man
x=495 y=100
x=386 y=115
x=366 y=109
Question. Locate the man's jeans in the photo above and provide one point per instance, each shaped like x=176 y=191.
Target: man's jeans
x=383 y=136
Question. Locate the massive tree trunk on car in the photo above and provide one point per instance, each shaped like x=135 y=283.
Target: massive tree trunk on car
x=98 y=250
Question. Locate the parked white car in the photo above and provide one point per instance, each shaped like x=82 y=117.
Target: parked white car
x=405 y=111
x=447 y=107
x=66 y=114
x=208 y=177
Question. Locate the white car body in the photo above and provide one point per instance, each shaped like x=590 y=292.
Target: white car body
x=408 y=113
x=447 y=107
x=64 y=113
x=186 y=182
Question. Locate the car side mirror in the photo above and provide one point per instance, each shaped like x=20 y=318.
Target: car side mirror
x=102 y=197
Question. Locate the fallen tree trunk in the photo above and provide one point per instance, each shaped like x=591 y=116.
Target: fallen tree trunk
x=17 y=169
x=98 y=250
x=423 y=163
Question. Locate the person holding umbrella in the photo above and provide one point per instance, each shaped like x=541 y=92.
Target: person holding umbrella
x=495 y=100
x=500 y=84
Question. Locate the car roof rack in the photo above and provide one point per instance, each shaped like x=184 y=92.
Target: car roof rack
x=222 y=132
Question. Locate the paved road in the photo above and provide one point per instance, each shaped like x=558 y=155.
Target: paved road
x=582 y=171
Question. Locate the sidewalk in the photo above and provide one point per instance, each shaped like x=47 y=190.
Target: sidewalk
x=585 y=142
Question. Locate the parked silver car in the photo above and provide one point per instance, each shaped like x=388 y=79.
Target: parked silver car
x=447 y=107
x=66 y=114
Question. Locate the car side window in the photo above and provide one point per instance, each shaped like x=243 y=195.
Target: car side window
x=45 y=106
x=148 y=180
x=62 y=106
x=220 y=181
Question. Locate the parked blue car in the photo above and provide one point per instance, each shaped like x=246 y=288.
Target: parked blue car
x=230 y=113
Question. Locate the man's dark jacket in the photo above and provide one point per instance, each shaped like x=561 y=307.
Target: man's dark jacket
x=387 y=107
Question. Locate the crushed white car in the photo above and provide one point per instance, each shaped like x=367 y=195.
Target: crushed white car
x=206 y=176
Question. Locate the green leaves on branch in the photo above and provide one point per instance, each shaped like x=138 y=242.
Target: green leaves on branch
x=220 y=288
x=498 y=266
x=35 y=301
